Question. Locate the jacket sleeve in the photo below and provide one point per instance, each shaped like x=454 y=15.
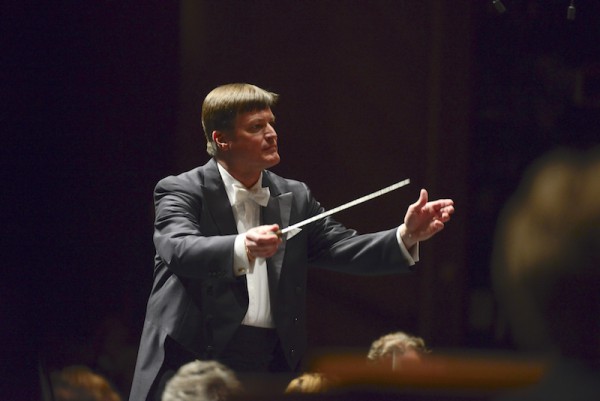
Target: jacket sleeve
x=334 y=247
x=183 y=242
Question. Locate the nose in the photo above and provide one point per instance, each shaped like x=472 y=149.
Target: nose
x=271 y=134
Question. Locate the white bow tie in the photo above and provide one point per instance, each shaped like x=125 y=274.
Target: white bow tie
x=259 y=195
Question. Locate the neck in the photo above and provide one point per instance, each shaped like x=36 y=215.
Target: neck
x=247 y=177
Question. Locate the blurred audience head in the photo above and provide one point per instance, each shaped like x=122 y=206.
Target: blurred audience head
x=546 y=260
x=202 y=381
x=79 y=383
x=310 y=382
x=395 y=347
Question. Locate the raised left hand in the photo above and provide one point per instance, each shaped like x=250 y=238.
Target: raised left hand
x=424 y=219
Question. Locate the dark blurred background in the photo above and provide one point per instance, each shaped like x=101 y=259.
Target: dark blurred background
x=101 y=99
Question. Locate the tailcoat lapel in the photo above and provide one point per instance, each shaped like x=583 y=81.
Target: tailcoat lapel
x=277 y=211
x=217 y=202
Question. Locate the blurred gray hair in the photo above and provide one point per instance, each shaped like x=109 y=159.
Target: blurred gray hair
x=398 y=341
x=202 y=381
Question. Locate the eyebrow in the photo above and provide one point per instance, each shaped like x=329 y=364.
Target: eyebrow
x=256 y=119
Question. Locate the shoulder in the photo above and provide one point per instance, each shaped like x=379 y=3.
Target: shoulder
x=302 y=197
x=285 y=184
x=189 y=180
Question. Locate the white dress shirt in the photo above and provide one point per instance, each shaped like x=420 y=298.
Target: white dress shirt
x=247 y=215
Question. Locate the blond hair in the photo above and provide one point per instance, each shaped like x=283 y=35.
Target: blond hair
x=224 y=103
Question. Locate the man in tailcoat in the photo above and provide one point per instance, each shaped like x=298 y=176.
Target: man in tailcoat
x=227 y=285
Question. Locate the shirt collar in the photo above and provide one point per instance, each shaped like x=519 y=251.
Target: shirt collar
x=229 y=181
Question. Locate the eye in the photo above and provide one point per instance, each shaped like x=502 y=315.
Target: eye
x=257 y=127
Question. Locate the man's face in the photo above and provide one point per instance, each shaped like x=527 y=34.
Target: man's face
x=253 y=142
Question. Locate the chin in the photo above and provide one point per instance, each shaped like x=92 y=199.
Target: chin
x=273 y=161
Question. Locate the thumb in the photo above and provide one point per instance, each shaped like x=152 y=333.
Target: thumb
x=423 y=198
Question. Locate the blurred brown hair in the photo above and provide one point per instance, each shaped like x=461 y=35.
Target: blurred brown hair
x=79 y=383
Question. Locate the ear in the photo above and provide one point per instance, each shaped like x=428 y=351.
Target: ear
x=220 y=140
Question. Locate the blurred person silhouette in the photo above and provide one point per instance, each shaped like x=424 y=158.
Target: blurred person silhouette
x=546 y=272
x=310 y=382
x=80 y=383
x=393 y=348
x=202 y=381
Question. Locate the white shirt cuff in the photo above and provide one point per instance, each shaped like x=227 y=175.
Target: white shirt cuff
x=241 y=264
x=412 y=254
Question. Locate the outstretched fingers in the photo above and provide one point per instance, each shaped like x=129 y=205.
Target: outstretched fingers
x=440 y=209
x=424 y=218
